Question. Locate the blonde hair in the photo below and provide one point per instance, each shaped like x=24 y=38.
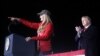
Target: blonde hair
x=42 y=26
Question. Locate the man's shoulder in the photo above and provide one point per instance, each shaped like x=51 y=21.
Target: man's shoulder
x=93 y=26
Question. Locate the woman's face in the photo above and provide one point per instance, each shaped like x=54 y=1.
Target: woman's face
x=43 y=17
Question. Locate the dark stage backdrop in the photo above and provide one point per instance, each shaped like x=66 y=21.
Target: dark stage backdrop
x=65 y=16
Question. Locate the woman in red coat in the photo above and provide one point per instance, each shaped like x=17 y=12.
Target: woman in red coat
x=44 y=31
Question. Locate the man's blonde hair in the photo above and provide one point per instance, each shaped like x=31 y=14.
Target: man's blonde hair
x=87 y=18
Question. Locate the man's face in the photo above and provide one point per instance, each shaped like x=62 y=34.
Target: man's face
x=85 y=21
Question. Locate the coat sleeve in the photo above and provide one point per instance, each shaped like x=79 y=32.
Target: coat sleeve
x=29 y=24
x=46 y=34
x=76 y=37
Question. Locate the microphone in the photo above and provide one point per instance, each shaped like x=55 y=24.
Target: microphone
x=10 y=24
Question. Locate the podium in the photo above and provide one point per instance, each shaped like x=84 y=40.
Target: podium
x=15 y=45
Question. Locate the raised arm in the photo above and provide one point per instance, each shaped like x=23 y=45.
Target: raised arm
x=29 y=24
x=26 y=22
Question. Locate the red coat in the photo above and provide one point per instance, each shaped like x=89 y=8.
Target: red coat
x=44 y=40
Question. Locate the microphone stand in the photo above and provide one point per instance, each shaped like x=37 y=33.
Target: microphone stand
x=9 y=25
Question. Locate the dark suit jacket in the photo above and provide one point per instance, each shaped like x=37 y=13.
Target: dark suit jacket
x=88 y=40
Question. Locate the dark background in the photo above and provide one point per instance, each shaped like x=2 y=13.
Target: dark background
x=64 y=14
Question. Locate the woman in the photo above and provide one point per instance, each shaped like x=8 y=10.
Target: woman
x=44 y=31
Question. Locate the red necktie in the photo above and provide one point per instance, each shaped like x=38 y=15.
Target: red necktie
x=84 y=29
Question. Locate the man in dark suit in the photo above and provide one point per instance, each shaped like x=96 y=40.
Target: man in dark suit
x=87 y=37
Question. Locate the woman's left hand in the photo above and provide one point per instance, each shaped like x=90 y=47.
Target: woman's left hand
x=28 y=39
